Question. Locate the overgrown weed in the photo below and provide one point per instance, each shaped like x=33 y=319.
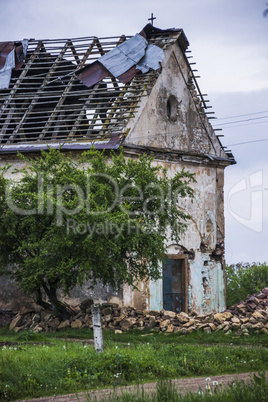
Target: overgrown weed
x=33 y=370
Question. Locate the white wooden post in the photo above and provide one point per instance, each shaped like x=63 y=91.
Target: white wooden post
x=97 y=328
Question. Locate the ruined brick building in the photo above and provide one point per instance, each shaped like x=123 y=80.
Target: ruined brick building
x=141 y=93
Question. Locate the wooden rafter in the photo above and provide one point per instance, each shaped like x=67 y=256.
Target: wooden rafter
x=15 y=88
x=82 y=112
x=90 y=97
x=74 y=52
x=65 y=93
x=39 y=91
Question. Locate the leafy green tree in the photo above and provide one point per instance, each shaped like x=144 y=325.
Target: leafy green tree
x=66 y=222
x=243 y=280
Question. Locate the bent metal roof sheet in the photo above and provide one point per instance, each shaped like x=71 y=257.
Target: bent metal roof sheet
x=76 y=92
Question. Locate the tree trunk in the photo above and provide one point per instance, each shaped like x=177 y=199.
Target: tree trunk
x=97 y=328
x=39 y=300
x=59 y=308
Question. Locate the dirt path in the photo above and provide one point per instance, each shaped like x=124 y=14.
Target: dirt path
x=182 y=385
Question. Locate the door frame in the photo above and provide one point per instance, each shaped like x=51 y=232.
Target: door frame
x=184 y=275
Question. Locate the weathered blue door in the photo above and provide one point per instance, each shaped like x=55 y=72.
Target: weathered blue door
x=173 y=285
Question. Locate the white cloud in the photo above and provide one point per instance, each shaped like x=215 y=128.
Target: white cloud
x=236 y=68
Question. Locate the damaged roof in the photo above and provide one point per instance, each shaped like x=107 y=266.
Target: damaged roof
x=77 y=92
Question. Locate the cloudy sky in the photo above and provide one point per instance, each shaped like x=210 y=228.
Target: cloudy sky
x=228 y=40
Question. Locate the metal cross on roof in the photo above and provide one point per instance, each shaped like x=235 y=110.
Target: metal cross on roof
x=152 y=18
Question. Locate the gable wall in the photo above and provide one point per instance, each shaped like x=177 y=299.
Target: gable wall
x=189 y=132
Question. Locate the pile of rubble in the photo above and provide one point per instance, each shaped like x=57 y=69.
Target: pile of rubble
x=250 y=314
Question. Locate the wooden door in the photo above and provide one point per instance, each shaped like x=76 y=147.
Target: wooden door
x=174 y=285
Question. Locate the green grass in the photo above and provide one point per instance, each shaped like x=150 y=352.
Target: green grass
x=29 y=369
x=236 y=392
x=199 y=337
x=137 y=337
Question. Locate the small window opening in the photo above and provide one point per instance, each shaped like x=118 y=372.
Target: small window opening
x=172 y=108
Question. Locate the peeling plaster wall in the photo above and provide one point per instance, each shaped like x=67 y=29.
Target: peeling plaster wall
x=202 y=243
x=11 y=297
x=156 y=295
x=206 y=285
x=184 y=130
x=205 y=237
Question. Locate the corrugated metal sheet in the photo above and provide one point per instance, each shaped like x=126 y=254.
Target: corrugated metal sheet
x=124 y=61
x=21 y=51
x=124 y=56
x=5 y=49
x=152 y=59
x=6 y=70
x=128 y=75
x=12 y=55
x=92 y=74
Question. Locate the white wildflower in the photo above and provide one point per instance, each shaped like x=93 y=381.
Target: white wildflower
x=215 y=383
x=208 y=379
